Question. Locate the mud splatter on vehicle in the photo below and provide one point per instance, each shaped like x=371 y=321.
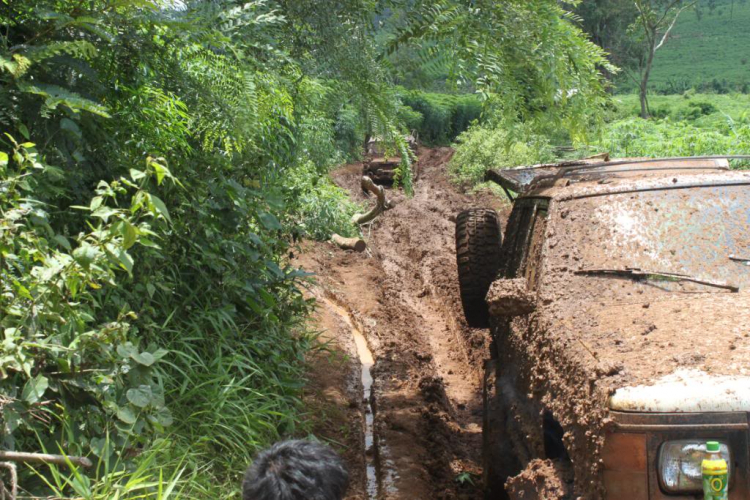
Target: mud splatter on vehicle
x=632 y=272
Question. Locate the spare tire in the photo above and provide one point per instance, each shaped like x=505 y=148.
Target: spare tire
x=478 y=242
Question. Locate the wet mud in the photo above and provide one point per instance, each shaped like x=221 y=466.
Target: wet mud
x=418 y=434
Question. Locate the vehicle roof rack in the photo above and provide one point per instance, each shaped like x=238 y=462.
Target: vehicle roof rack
x=521 y=179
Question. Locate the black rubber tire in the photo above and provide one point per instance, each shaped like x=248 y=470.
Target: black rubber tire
x=478 y=242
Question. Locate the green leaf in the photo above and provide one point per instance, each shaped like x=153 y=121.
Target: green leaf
x=267 y=298
x=86 y=254
x=140 y=396
x=24 y=131
x=3 y=159
x=160 y=207
x=62 y=241
x=34 y=389
x=269 y=221
x=137 y=174
x=148 y=243
x=104 y=213
x=70 y=126
x=164 y=417
x=127 y=415
x=144 y=358
x=126 y=350
x=129 y=235
x=126 y=261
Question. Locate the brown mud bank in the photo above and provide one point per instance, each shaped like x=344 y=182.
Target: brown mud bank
x=418 y=436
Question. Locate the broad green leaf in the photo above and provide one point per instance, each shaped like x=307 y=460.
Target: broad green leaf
x=160 y=208
x=127 y=415
x=140 y=396
x=3 y=159
x=70 y=126
x=129 y=236
x=137 y=174
x=164 y=417
x=126 y=350
x=269 y=221
x=143 y=358
x=104 y=213
x=34 y=389
x=86 y=254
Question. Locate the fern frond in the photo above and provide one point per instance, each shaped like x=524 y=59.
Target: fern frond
x=55 y=96
x=77 y=48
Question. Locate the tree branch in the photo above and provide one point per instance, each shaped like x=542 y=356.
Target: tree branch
x=381 y=206
x=674 y=21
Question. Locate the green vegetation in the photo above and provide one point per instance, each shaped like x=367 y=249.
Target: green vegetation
x=439 y=118
x=158 y=160
x=685 y=125
x=709 y=51
x=482 y=148
x=703 y=109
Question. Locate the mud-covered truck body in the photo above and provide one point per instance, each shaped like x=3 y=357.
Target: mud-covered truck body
x=619 y=306
x=381 y=167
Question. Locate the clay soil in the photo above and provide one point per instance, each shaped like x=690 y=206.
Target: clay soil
x=402 y=295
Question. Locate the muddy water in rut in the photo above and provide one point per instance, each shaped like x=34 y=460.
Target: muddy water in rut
x=411 y=428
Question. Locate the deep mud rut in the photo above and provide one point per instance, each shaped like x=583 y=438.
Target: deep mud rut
x=418 y=435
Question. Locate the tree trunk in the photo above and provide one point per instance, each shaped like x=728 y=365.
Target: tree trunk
x=381 y=206
x=356 y=244
x=644 y=82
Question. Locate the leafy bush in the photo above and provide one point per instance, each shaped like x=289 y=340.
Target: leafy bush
x=637 y=137
x=443 y=116
x=480 y=149
x=151 y=320
x=321 y=208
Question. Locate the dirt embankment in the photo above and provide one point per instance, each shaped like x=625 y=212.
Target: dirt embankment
x=403 y=297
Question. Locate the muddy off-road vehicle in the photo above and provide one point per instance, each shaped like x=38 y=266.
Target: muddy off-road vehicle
x=619 y=305
x=380 y=167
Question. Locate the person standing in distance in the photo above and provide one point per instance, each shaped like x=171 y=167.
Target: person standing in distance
x=296 y=470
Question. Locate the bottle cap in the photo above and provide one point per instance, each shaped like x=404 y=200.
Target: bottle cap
x=713 y=447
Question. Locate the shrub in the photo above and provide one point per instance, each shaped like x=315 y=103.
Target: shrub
x=480 y=149
x=444 y=116
x=637 y=137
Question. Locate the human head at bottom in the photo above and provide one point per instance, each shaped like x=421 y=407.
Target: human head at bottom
x=296 y=470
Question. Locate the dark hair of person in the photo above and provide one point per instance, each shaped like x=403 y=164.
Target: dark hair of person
x=296 y=470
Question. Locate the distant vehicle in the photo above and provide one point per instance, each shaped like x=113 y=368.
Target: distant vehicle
x=381 y=168
x=618 y=302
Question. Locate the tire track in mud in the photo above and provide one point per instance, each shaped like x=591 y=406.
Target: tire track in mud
x=403 y=296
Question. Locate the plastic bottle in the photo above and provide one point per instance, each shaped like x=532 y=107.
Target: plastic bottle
x=715 y=473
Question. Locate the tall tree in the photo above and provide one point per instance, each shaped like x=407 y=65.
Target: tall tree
x=527 y=59
x=655 y=21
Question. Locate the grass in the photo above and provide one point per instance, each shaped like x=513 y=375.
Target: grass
x=735 y=106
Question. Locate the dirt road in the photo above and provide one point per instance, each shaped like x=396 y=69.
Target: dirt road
x=409 y=428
